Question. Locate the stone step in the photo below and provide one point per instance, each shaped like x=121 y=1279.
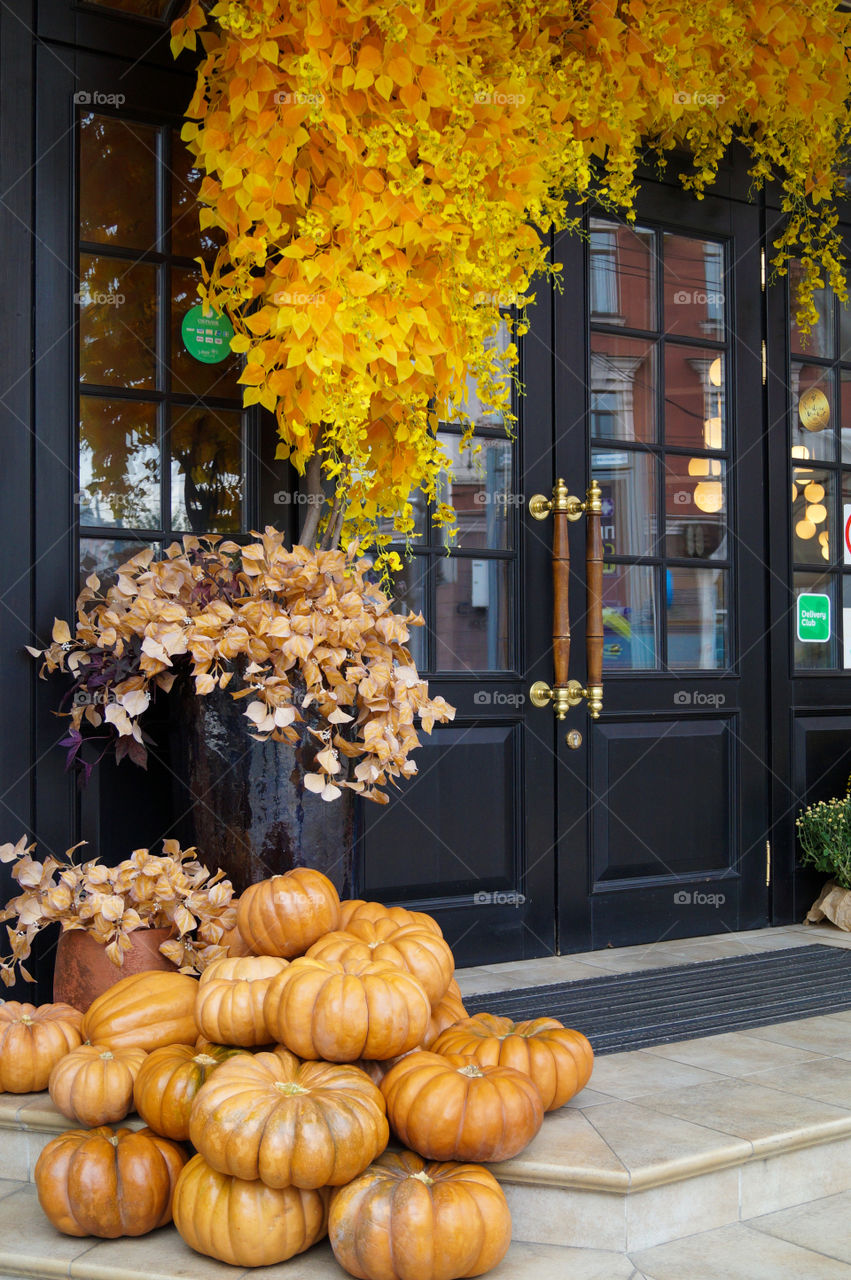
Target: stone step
x=683 y=1137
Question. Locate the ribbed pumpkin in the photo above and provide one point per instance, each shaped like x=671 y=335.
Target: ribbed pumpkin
x=144 y=1011
x=229 y=1004
x=450 y=1108
x=448 y=1010
x=287 y=1122
x=246 y=1223
x=168 y=1083
x=284 y=915
x=358 y=909
x=342 y=1012
x=108 y=1182
x=558 y=1059
x=32 y=1040
x=94 y=1084
x=406 y=1218
x=421 y=951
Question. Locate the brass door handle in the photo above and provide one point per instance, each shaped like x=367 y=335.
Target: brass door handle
x=565 y=693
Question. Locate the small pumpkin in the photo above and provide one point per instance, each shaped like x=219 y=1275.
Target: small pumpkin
x=284 y=915
x=558 y=1059
x=404 y=1217
x=168 y=1083
x=448 y=1010
x=450 y=1108
x=108 y=1182
x=93 y=1085
x=357 y=909
x=344 y=1011
x=246 y=1223
x=287 y=1122
x=144 y=1011
x=420 y=951
x=33 y=1038
x=229 y=1004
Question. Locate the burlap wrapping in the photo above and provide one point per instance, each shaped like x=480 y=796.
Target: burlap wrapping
x=832 y=904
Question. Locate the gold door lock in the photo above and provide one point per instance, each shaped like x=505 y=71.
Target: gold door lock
x=573 y=739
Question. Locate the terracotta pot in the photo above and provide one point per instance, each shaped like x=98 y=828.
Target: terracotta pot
x=83 y=969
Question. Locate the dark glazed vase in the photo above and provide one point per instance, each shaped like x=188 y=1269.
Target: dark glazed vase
x=247 y=809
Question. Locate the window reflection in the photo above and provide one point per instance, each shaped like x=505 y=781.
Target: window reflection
x=119 y=463
x=695 y=399
x=627 y=480
x=118 y=323
x=481 y=492
x=118 y=159
x=813 y=502
x=471 y=615
x=206 y=471
x=695 y=508
x=694 y=287
x=623 y=388
x=630 y=613
x=697 y=619
x=622 y=265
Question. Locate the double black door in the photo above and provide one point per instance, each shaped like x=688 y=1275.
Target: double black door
x=647 y=374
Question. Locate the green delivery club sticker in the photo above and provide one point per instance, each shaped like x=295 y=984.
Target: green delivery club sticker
x=813 y=618
x=206 y=337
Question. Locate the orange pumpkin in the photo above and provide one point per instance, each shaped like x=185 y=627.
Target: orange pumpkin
x=420 y=951
x=287 y=1122
x=246 y=1223
x=94 y=1084
x=282 y=916
x=229 y=1004
x=344 y=1011
x=450 y=1108
x=448 y=1010
x=557 y=1059
x=108 y=1182
x=357 y=909
x=403 y=1217
x=144 y=1011
x=168 y=1082
x=32 y=1040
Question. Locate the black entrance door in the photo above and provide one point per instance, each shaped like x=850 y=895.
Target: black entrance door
x=472 y=837
x=661 y=810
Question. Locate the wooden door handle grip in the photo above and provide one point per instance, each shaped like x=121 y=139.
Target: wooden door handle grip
x=566 y=693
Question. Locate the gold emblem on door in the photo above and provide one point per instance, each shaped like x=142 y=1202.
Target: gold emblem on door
x=814 y=410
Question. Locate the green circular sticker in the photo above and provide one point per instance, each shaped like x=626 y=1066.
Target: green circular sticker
x=206 y=337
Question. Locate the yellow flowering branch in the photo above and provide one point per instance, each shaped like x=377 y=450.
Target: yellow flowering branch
x=387 y=174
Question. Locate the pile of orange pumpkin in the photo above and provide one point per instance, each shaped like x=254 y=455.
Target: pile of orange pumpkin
x=329 y=1026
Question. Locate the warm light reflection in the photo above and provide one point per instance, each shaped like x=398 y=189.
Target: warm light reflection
x=715 y=372
x=800 y=451
x=712 y=433
x=805 y=529
x=817 y=513
x=709 y=496
x=814 y=492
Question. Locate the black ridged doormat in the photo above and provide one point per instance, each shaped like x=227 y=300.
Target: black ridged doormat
x=635 y=1010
